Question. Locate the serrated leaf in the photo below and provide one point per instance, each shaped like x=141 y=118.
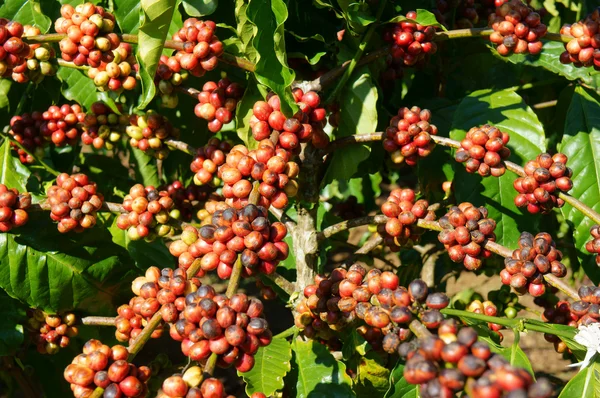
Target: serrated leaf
x=319 y=374
x=27 y=12
x=358 y=116
x=373 y=376
x=146 y=168
x=399 y=387
x=271 y=364
x=549 y=59
x=271 y=66
x=51 y=271
x=200 y=8
x=424 y=17
x=13 y=174
x=585 y=384
x=156 y=18
x=243 y=113
x=507 y=111
x=127 y=14
x=76 y=86
x=145 y=254
x=11 y=328
x=581 y=143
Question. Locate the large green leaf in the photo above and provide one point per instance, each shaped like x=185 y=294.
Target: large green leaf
x=54 y=272
x=399 y=387
x=156 y=16
x=271 y=67
x=76 y=86
x=271 y=364
x=581 y=143
x=145 y=254
x=358 y=116
x=28 y=12
x=585 y=384
x=373 y=376
x=515 y=355
x=11 y=328
x=507 y=111
x=146 y=168
x=319 y=374
x=549 y=59
x=127 y=14
x=13 y=174
x=200 y=8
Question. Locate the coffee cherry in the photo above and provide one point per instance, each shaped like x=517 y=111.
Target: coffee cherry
x=217 y=101
x=581 y=50
x=201 y=49
x=484 y=151
x=408 y=137
x=102 y=128
x=13 y=206
x=517 y=29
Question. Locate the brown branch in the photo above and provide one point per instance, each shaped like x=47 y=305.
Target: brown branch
x=180 y=146
x=371 y=244
x=98 y=321
x=284 y=284
x=345 y=225
x=106 y=206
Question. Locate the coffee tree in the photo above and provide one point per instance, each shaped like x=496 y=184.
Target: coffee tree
x=274 y=198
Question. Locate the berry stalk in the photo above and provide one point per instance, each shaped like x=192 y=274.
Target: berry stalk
x=98 y=321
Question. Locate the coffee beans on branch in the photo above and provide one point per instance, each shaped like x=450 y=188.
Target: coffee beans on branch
x=102 y=128
x=584 y=49
x=192 y=385
x=217 y=103
x=52 y=331
x=408 y=137
x=74 y=202
x=201 y=47
x=517 y=28
x=411 y=42
x=148 y=131
x=13 y=208
x=484 y=150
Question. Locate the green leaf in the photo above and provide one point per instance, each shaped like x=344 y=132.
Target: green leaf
x=243 y=113
x=76 y=86
x=373 y=376
x=27 y=12
x=51 y=271
x=549 y=59
x=156 y=16
x=354 y=343
x=145 y=254
x=5 y=85
x=399 y=387
x=585 y=384
x=127 y=14
x=515 y=355
x=358 y=116
x=13 y=174
x=11 y=329
x=271 y=67
x=360 y=15
x=200 y=8
x=424 y=17
x=319 y=374
x=507 y=111
x=271 y=364
x=581 y=143
x=146 y=168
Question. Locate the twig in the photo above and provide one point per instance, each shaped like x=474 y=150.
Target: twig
x=106 y=206
x=181 y=146
x=282 y=282
x=98 y=320
x=419 y=329
x=371 y=244
x=345 y=225
x=286 y=333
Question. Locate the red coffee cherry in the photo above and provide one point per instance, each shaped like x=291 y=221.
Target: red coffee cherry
x=13 y=206
x=484 y=150
x=408 y=137
x=404 y=213
x=517 y=28
x=581 y=50
x=217 y=103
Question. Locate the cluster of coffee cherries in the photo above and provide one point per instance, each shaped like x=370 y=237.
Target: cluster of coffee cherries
x=208 y=159
x=191 y=384
x=593 y=246
x=411 y=42
x=102 y=128
x=404 y=213
x=158 y=290
x=13 y=208
x=517 y=28
x=38 y=61
x=25 y=129
x=466 y=229
x=468 y=13
x=484 y=150
x=546 y=176
x=168 y=76
x=74 y=202
x=14 y=51
x=536 y=256
x=148 y=131
x=107 y=368
x=52 y=331
x=233 y=328
x=584 y=49
x=201 y=47
x=186 y=200
x=246 y=232
x=148 y=213
x=446 y=364
x=61 y=124
x=374 y=297
x=305 y=126
x=408 y=137
x=217 y=102
x=267 y=165
x=116 y=72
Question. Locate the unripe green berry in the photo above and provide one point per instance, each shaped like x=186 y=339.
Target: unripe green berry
x=42 y=54
x=101 y=79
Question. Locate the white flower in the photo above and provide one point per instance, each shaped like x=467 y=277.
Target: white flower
x=589 y=337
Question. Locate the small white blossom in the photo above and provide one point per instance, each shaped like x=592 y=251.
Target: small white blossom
x=589 y=337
